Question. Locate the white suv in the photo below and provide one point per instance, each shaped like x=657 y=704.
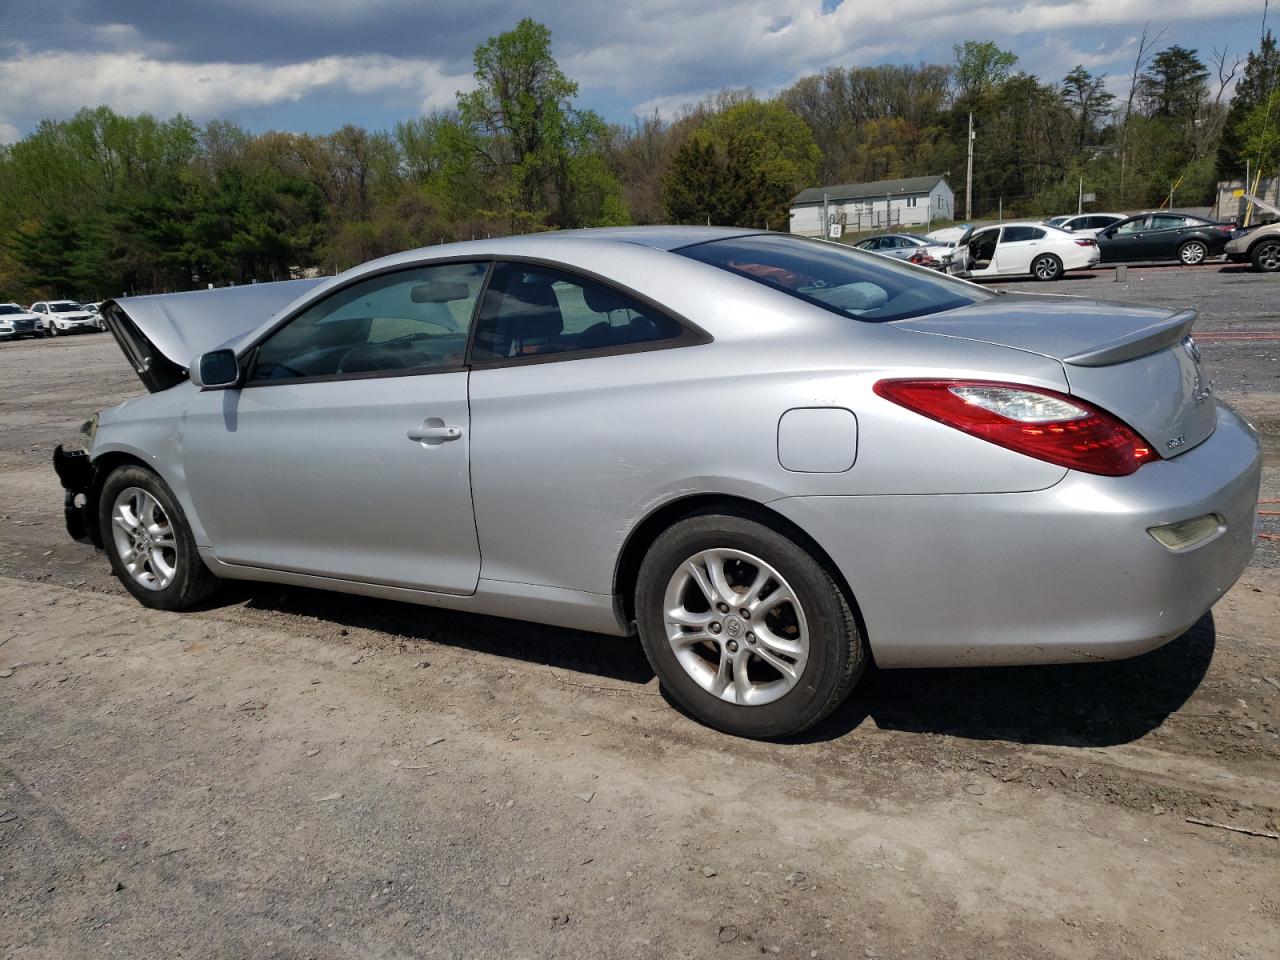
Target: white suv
x=64 y=316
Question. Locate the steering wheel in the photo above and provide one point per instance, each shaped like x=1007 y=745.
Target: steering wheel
x=371 y=356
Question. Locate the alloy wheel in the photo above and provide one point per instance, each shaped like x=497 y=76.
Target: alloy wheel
x=736 y=626
x=144 y=538
x=1193 y=253
x=1268 y=257
x=1046 y=269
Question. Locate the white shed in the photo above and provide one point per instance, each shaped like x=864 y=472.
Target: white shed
x=882 y=205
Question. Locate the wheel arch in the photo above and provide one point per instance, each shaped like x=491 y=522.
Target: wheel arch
x=643 y=535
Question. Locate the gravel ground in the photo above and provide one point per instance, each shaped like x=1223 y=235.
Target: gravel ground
x=294 y=774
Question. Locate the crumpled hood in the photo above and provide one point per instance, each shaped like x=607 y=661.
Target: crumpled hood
x=162 y=334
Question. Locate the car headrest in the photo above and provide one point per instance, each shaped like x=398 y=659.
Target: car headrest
x=601 y=299
x=533 y=308
x=439 y=291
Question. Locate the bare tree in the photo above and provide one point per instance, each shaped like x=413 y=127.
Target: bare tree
x=1214 y=115
x=1146 y=44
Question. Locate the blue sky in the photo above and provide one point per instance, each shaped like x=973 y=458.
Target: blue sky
x=312 y=65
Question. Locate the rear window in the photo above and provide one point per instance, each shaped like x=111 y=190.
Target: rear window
x=836 y=277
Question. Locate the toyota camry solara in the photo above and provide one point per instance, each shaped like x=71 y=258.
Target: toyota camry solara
x=774 y=458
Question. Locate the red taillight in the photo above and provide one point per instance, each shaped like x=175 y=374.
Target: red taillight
x=1088 y=242
x=1040 y=423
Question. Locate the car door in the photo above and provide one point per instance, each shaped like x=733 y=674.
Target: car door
x=1124 y=241
x=1164 y=235
x=1017 y=248
x=559 y=372
x=346 y=452
x=982 y=252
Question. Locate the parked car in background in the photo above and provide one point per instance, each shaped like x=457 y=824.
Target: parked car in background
x=1019 y=249
x=63 y=316
x=17 y=321
x=1086 y=224
x=1188 y=239
x=1259 y=246
x=839 y=457
x=910 y=247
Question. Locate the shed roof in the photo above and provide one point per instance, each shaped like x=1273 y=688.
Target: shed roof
x=863 y=191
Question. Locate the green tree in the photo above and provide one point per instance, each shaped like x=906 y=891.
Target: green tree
x=548 y=152
x=742 y=167
x=1086 y=96
x=980 y=67
x=1260 y=78
x=1173 y=86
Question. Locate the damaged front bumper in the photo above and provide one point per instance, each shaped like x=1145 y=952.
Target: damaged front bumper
x=77 y=473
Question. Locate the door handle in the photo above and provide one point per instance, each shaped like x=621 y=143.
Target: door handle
x=433 y=432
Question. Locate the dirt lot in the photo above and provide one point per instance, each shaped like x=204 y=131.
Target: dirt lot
x=293 y=774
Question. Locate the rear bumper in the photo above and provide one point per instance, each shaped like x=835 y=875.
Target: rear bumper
x=1054 y=576
x=76 y=474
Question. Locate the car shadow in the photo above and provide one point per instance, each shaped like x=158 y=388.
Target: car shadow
x=614 y=658
x=1065 y=278
x=1072 y=705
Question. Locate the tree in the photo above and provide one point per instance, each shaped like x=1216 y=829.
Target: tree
x=1174 y=85
x=742 y=167
x=1260 y=134
x=1261 y=77
x=980 y=66
x=532 y=134
x=1086 y=96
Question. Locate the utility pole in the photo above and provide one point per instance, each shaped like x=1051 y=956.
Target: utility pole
x=1080 y=202
x=968 y=179
x=826 y=230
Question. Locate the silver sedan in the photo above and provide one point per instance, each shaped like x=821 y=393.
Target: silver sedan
x=775 y=458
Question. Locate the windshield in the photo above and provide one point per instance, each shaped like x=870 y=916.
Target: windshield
x=10 y=308
x=66 y=306
x=838 y=278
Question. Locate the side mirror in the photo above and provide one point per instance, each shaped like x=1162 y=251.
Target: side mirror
x=216 y=370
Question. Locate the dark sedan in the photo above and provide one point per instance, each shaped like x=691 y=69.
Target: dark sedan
x=1165 y=236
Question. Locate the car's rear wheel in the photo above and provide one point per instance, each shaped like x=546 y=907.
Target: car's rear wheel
x=1046 y=267
x=149 y=542
x=1193 y=252
x=1266 y=256
x=745 y=628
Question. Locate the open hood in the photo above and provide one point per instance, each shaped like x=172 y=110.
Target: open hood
x=161 y=334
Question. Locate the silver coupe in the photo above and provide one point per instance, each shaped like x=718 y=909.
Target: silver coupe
x=775 y=458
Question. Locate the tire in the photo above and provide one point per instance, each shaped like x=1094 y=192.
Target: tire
x=190 y=581
x=1046 y=267
x=1192 y=253
x=816 y=619
x=1266 y=255
x=53 y=329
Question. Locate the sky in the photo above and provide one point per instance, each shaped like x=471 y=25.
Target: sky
x=313 y=65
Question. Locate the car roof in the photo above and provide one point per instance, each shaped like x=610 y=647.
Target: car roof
x=658 y=237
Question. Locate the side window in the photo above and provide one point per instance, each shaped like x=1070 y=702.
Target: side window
x=1133 y=226
x=1166 y=222
x=413 y=320
x=1016 y=234
x=40 y=308
x=982 y=245
x=531 y=310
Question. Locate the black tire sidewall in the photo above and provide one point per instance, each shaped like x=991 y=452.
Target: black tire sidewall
x=1257 y=255
x=192 y=579
x=826 y=615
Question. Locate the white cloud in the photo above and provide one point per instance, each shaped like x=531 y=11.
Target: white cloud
x=9 y=133
x=59 y=83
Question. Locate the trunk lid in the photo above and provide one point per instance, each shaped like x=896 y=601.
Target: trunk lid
x=1137 y=362
x=160 y=335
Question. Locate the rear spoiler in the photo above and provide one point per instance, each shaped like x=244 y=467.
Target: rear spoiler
x=1137 y=343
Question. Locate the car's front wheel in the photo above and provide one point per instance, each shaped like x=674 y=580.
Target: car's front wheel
x=1046 y=267
x=149 y=543
x=1266 y=256
x=1193 y=252
x=745 y=628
